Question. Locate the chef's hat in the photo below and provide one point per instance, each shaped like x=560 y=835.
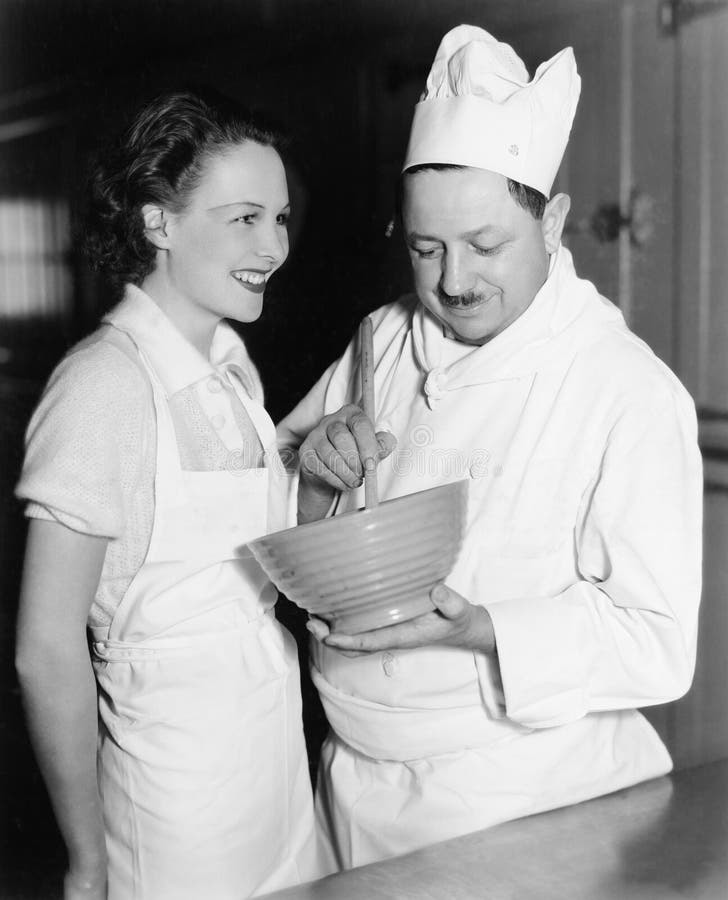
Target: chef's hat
x=479 y=109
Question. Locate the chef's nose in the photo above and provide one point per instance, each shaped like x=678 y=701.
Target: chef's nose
x=456 y=278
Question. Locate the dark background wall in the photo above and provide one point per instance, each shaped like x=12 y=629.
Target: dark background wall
x=341 y=76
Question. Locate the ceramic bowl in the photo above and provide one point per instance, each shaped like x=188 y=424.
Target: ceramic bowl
x=373 y=567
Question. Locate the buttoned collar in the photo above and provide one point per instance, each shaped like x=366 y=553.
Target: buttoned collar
x=176 y=362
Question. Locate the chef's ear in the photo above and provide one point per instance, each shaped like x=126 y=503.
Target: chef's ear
x=554 y=219
x=156 y=225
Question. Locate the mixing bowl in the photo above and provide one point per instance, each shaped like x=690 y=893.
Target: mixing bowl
x=372 y=567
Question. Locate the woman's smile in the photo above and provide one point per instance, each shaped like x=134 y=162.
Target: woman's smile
x=254 y=280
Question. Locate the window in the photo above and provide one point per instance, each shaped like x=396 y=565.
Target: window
x=35 y=276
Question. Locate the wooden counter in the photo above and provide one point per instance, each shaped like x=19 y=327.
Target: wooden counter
x=662 y=839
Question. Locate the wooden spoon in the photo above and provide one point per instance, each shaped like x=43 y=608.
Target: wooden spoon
x=371 y=498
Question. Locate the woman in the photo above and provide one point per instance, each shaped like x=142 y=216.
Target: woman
x=150 y=463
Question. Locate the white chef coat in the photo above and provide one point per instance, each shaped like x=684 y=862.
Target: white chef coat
x=583 y=543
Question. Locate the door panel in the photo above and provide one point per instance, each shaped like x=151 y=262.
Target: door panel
x=699 y=723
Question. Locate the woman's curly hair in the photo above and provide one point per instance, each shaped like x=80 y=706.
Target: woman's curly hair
x=157 y=159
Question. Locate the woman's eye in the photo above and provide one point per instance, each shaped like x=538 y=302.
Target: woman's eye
x=283 y=218
x=246 y=219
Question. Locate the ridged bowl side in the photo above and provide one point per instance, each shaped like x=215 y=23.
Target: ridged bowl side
x=369 y=568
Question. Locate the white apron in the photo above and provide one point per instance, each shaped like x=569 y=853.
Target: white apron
x=202 y=764
x=395 y=778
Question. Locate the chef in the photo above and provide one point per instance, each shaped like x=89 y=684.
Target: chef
x=574 y=599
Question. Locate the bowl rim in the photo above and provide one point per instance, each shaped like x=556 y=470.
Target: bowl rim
x=460 y=485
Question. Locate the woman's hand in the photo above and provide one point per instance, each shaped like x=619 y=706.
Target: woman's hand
x=60 y=578
x=335 y=456
x=86 y=882
x=453 y=623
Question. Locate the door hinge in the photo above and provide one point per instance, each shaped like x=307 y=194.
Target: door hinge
x=672 y=14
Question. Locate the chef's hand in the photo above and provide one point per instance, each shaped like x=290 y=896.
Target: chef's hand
x=454 y=623
x=335 y=456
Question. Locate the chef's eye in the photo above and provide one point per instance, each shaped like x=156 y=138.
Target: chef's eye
x=426 y=252
x=487 y=251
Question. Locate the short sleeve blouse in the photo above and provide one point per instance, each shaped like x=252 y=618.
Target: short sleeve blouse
x=90 y=459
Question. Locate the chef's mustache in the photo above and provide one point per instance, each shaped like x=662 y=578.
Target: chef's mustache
x=469 y=298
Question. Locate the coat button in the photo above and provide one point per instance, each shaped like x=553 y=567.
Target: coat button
x=389 y=664
x=435 y=386
x=214 y=385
